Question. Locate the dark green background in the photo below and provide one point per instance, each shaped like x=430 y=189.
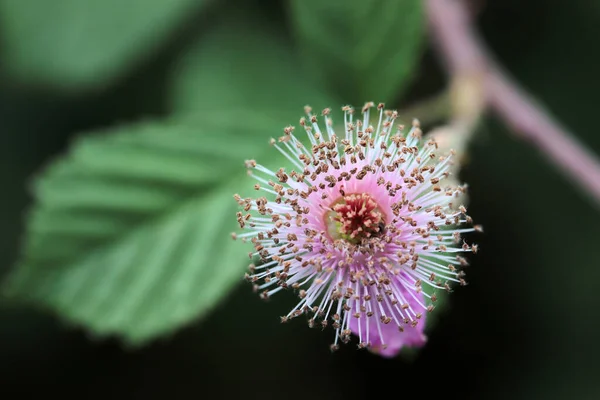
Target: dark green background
x=526 y=326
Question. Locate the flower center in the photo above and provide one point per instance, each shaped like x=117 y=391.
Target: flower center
x=354 y=217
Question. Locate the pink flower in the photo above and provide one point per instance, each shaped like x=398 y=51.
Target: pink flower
x=363 y=228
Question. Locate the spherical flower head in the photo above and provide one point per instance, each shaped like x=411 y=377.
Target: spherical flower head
x=362 y=226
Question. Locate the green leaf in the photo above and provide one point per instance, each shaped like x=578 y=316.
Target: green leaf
x=84 y=43
x=130 y=233
x=363 y=50
x=245 y=62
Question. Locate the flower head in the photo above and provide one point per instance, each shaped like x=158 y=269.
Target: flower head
x=363 y=227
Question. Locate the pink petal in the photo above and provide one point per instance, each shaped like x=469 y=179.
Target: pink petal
x=392 y=337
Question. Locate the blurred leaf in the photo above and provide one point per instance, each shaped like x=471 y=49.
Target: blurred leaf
x=130 y=234
x=363 y=50
x=245 y=63
x=84 y=43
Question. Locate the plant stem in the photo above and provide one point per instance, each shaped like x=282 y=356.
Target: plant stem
x=465 y=54
x=428 y=111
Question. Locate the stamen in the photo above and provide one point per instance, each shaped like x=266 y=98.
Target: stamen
x=363 y=228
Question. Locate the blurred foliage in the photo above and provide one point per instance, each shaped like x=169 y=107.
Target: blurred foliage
x=130 y=233
x=245 y=65
x=362 y=49
x=130 y=208
x=78 y=44
x=123 y=237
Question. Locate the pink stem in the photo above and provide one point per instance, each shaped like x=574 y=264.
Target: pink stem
x=464 y=53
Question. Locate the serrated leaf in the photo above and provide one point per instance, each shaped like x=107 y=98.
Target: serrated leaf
x=84 y=43
x=130 y=234
x=363 y=50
